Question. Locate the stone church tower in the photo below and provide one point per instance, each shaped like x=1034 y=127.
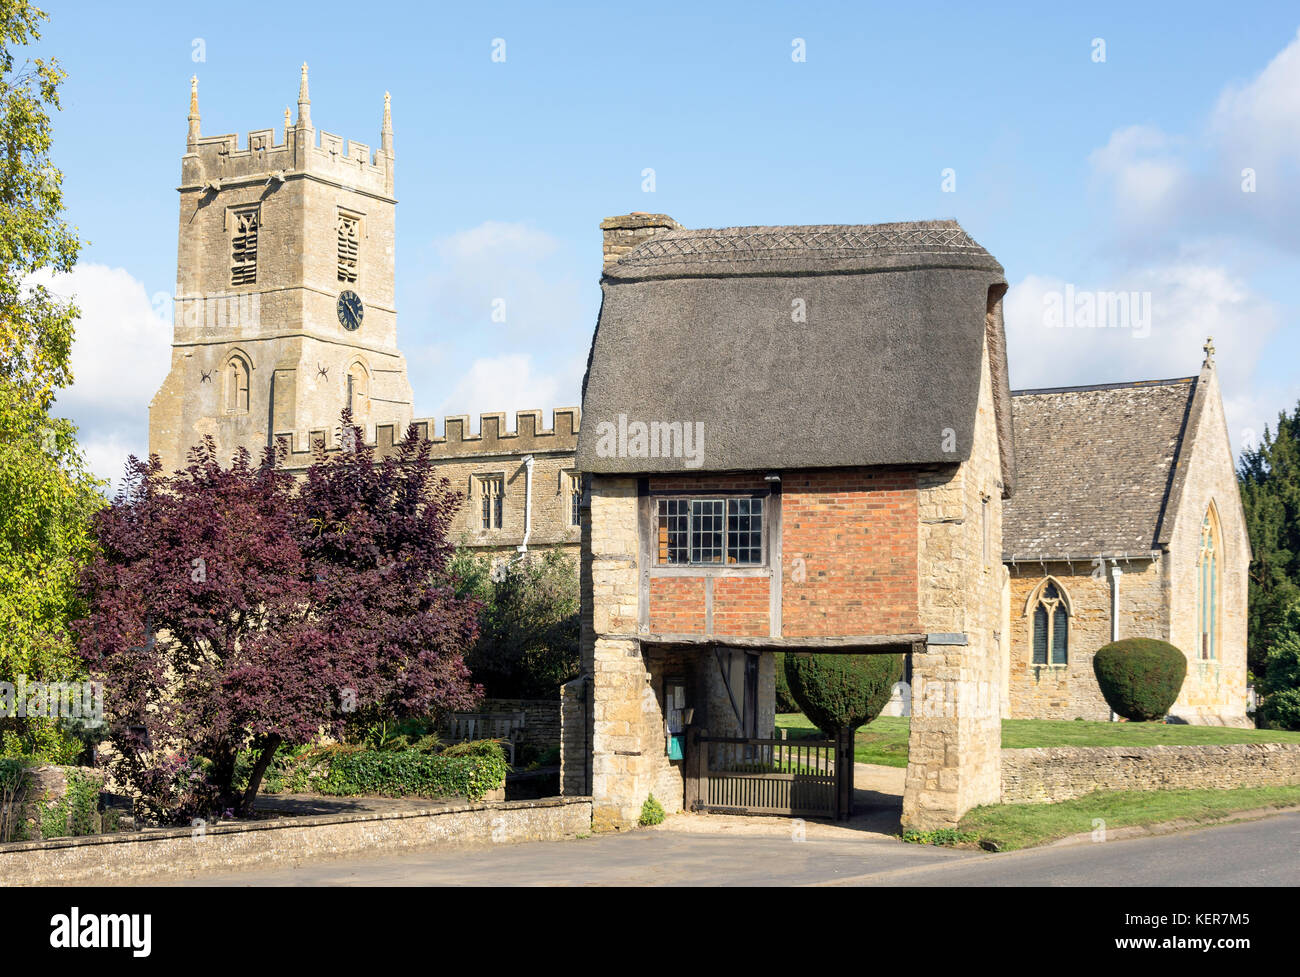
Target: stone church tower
x=284 y=310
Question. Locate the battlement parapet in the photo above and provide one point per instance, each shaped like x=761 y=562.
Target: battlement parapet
x=218 y=161
x=456 y=441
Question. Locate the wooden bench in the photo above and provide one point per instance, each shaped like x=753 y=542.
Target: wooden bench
x=508 y=727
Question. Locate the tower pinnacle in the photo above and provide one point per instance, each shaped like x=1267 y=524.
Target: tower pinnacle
x=304 y=101
x=194 y=110
x=386 y=131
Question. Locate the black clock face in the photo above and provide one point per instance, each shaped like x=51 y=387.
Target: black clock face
x=350 y=310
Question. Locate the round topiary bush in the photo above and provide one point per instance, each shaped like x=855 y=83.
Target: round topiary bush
x=1140 y=677
x=784 y=700
x=842 y=691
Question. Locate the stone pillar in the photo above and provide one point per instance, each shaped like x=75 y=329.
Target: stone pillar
x=573 y=737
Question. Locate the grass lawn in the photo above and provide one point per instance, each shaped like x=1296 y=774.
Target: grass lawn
x=885 y=740
x=1006 y=826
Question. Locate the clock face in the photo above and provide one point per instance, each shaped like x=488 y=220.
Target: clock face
x=350 y=310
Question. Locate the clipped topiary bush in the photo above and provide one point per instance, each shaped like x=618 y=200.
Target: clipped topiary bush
x=784 y=700
x=1140 y=677
x=841 y=691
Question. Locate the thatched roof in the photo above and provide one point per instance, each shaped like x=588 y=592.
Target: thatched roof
x=696 y=326
x=1095 y=467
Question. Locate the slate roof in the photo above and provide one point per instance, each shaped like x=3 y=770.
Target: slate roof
x=696 y=326
x=1094 y=465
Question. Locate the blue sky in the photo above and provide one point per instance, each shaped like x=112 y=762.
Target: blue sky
x=1122 y=174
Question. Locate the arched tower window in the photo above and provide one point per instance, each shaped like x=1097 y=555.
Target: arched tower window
x=236 y=378
x=1050 y=611
x=1207 y=582
x=358 y=393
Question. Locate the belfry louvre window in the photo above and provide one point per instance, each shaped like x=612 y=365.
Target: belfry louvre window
x=493 y=490
x=349 y=247
x=243 y=247
x=704 y=532
x=1051 y=628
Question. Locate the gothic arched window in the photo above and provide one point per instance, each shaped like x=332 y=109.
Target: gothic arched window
x=1051 y=622
x=1207 y=582
x=237 y=373
x=358 y=401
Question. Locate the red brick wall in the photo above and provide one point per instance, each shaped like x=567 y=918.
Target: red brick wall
x=677 y=605
x=741 y=606
x=856 y=535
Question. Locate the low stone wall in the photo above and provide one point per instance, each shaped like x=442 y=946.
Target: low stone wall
x=130 y=857
x=541 y=719
x=1060 y=773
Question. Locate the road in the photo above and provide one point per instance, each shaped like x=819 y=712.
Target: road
x=1254 y=853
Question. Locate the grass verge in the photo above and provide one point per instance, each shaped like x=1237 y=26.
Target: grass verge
x=1003 y=827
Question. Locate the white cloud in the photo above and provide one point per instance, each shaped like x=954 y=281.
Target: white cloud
x=1188 y=302
x=1142 y=165
x=1261 y=119
x=120 y=354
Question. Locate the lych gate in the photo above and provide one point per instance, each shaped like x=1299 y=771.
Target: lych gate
x=841 y=492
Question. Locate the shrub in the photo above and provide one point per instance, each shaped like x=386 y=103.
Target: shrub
x=1140 y=677
x=652 y=812
x=842 y=691
x=76 y=813
x=784 y=700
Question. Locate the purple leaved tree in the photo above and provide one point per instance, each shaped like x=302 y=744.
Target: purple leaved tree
x=236 y=609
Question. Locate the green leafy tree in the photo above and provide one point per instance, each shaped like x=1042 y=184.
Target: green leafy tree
x=528 y=637
x=1280 y=708
x=46 y=492
x=1269 y=476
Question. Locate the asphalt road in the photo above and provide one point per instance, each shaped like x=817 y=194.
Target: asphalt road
x=1255 y=853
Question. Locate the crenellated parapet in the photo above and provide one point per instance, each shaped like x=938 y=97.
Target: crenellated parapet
x=220 y=162
x=457 y=441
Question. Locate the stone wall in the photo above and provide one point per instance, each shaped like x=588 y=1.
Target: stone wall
x=541 y=719
x=1215 y=690
x=954 y=747
x=1060 y=773
x=182 y=852
x=1070 y=691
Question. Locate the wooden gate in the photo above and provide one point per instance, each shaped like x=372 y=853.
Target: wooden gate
x=749 y=775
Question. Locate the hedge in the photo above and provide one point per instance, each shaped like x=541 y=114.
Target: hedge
x=469 y=770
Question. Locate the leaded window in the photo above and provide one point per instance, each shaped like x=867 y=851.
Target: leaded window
x=492 y=488
x=1208 y=589
x=574 y=481
x=708 y=532
x=243 y=247
x=1051 y=628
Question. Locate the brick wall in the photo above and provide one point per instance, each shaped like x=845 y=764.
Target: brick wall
x=849 y=541
x=741 y=606
x=677 y=605
x=1058 y=774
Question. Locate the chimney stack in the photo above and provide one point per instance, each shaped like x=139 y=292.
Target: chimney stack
x=624 y=233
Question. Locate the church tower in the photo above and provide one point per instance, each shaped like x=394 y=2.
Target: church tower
x=284 y=310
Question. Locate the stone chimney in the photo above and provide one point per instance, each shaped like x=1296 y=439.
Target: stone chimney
x=624 y=233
